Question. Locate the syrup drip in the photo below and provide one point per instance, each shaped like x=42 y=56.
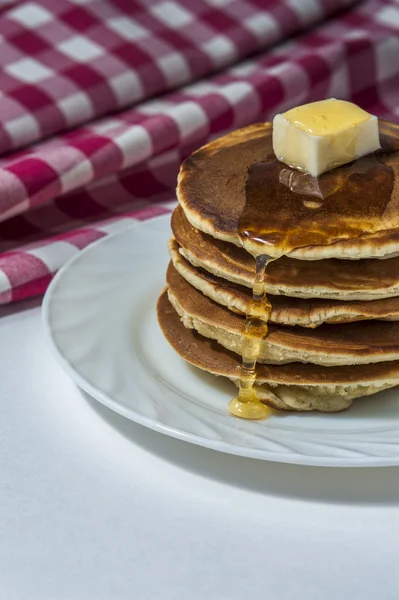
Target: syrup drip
x=246 y=405
x=302 y=211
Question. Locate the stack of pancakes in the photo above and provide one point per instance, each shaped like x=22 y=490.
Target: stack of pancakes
x=334 y=325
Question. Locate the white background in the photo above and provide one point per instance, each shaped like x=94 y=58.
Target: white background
x=93 y=506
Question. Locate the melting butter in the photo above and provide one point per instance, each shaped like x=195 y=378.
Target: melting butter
x=320 y=136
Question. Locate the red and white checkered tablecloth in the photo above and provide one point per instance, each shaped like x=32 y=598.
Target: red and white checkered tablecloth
x=100 y=100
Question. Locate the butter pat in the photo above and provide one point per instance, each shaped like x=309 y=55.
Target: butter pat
x=320 y=136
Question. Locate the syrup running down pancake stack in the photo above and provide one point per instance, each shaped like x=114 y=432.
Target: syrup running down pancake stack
x=295 y=273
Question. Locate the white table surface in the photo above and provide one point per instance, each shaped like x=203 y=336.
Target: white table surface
x=93 y=506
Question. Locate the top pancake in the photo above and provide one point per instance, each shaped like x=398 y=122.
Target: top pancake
x=235 y=185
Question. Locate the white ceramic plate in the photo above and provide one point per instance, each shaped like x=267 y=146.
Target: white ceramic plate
x=99 y=315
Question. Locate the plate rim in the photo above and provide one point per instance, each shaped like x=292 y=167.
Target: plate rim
x=175 y=432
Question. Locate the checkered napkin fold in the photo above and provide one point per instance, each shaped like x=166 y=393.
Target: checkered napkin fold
x=101 y=100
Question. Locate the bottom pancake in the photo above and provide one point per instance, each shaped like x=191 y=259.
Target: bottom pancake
x=294 y=386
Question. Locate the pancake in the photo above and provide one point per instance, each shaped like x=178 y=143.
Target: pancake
x=295 y=386
x=355 y=343
x=334 y=279
x=235 y=184
x=285 y=311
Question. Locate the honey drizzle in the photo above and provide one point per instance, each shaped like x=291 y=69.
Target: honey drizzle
x=246 y=405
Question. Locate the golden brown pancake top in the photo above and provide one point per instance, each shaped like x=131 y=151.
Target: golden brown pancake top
x=235 y=189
